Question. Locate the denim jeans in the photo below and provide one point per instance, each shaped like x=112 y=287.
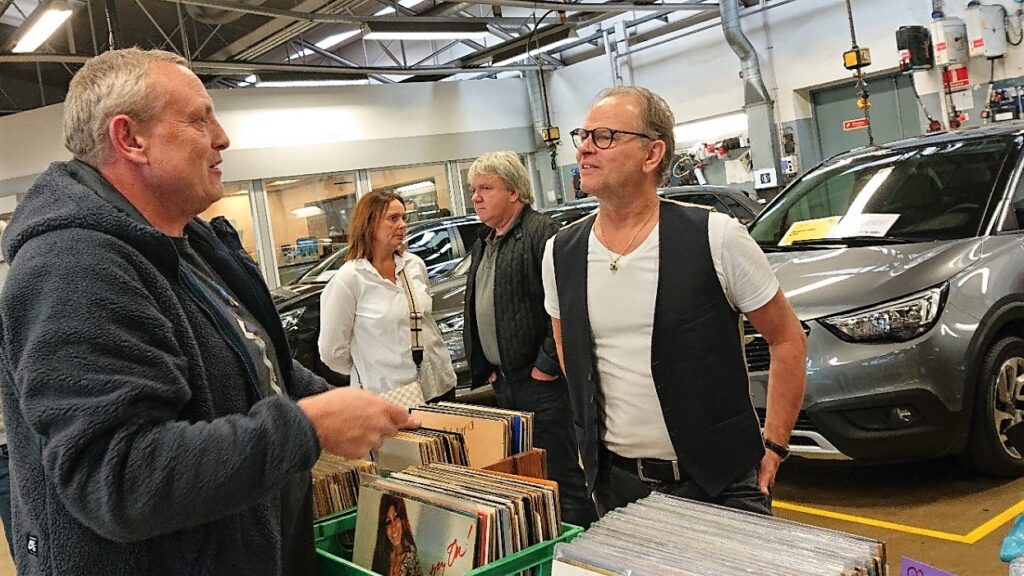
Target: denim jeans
x=552 y=431
x=616 y=487
x=5 y=495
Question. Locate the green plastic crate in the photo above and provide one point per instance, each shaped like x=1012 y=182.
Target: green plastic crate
x=334 y=556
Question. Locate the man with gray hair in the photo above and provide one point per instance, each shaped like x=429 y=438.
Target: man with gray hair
x=645 y=298
x=507 y=333
x=155 y=419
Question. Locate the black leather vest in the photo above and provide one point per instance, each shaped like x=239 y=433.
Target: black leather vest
x=697 y=357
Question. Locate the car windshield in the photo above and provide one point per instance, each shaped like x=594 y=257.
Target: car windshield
x=936 y=192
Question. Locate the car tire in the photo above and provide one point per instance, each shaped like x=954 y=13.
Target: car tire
x=999 y=404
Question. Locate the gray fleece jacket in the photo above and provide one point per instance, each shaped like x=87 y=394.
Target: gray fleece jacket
x=140 y=441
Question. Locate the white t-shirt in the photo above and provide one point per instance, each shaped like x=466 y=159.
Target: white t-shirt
x=364 y=324
x=621 y=307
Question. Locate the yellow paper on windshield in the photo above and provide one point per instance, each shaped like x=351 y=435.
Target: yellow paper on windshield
x=809 y=230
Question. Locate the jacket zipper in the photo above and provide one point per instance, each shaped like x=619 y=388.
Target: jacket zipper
x=230 y=335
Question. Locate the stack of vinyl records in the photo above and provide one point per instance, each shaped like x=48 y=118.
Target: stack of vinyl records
x=336 y=483
x=491 y=434
x=419 y=447
x=667 y=536
x=446 y=519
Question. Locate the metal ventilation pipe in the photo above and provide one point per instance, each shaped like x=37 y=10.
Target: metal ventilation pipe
x=538 y=112
x=757 y=101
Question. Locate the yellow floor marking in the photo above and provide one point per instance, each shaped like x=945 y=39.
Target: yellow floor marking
x=970 y=538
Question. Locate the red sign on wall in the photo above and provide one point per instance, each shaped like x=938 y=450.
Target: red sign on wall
x=956 y=77
x=855 y=124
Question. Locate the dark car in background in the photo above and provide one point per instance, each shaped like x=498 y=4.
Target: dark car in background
x=441 y=243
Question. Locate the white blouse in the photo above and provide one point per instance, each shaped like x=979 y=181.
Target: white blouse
x=364 y=328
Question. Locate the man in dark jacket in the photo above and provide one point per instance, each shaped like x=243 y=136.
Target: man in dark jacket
x=156 y=422
x=507 y=332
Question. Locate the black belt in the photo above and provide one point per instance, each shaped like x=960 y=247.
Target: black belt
x=649 y=468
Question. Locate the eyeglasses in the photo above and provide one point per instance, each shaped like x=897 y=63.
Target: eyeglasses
x=602 y=137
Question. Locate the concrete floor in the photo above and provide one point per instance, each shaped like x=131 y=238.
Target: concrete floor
x=933 y=512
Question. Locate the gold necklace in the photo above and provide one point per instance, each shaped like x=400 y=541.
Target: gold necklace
x=613 y=263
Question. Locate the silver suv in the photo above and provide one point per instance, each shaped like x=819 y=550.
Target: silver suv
x=905 y=263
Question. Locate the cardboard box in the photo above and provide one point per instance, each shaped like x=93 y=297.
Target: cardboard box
x=532 y=463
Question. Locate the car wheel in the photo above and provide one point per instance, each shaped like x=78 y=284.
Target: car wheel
x=999 y=405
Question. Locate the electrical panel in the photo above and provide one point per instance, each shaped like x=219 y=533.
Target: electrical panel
x=915 y=47
x=790 y=165
x=949 y=36
x=986 y=31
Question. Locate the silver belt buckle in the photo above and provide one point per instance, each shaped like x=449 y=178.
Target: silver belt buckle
x=640 y=471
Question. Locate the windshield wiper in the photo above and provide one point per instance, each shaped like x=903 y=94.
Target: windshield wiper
x=857 y=241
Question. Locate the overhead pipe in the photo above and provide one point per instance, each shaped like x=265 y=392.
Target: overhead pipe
x=758 y=104
x=755 y=90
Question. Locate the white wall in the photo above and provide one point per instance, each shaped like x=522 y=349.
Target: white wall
x=698 y=75
x=285 y=132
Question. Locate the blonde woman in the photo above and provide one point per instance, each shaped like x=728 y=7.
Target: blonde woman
x=365 y=309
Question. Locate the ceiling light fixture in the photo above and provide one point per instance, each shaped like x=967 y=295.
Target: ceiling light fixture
x=414 y=30
x=298 y=80
x=541 y=42
x=388 y=9
x=416 y=187
x=41 y=24
x=307 y=211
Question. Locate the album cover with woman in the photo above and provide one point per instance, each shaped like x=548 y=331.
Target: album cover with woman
x=398 y=536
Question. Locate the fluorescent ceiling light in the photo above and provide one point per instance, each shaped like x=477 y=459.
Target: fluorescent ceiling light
x=295 y=79
x=282 y=182
x=390 y=9
x=711 y=129
x=327 y=43
x=547 y=44
x=310 y=83
x=43 y=22
x=307 y=211
x=427 y=35
x=416 y=30
x=416 y=187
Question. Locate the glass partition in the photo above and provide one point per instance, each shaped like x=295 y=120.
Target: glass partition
x=309 y=217
x=424 y=189
x=235 y=206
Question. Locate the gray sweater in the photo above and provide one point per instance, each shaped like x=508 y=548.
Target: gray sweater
x=139 y=443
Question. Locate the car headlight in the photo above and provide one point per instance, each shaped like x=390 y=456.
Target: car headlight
x=290 y=319
x=451 y=333
x=896 y=321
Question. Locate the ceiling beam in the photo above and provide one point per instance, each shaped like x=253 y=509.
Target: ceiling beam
x=324 y=18
x=238 y=67
x=592 y=7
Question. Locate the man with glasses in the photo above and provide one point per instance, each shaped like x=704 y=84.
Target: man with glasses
x=645 y=298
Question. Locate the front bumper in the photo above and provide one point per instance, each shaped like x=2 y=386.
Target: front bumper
x=883 y=402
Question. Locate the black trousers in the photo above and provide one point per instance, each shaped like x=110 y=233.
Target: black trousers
x=616 y=487
x=552 y=431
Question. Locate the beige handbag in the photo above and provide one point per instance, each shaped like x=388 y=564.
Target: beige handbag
x=411 y=394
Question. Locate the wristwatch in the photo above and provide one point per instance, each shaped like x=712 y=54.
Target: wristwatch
x=782 y=451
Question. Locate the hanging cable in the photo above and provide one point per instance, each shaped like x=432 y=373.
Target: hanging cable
x=863 y=100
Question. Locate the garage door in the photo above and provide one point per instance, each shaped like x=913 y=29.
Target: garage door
x=894 y=114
